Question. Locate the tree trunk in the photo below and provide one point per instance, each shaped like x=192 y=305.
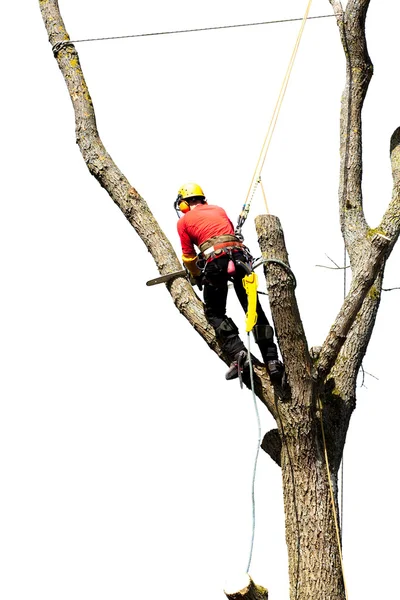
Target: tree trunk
x=312 y=533
x=315 y=569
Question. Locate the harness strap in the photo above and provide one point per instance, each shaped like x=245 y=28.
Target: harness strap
x=219 y=246
x=218 y=240
x=219 y=249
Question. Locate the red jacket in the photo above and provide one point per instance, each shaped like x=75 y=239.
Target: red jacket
x=200 y=224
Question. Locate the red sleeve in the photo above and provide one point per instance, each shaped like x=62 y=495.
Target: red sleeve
x=186 y=242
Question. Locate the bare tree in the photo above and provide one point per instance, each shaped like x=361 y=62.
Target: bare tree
x=313 y=410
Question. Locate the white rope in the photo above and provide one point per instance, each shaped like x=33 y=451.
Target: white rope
x=253 y=501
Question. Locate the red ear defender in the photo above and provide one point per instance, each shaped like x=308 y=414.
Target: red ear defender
x=184 y=207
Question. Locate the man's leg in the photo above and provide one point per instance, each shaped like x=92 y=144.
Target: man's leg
x=215 y=294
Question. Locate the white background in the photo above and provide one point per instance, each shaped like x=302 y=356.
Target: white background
x=125 y=457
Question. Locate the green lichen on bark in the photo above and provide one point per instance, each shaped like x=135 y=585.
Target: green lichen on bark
x=375 y=231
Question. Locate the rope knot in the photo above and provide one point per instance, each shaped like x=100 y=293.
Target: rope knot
x=60 y=45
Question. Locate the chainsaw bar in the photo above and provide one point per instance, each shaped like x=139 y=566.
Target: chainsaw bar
x=168 y=277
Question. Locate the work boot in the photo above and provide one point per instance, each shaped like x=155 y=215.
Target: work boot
x=275 y=369
x=238 y=366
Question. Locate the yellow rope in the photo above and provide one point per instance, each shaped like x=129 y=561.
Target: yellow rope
x=264 y=196
x=267 y=141
x=253 y=186
x=332 y=497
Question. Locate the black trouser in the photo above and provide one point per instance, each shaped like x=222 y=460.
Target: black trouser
x=215 y=282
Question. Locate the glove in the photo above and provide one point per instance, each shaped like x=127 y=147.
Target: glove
x=190 y=264
x=193 y=271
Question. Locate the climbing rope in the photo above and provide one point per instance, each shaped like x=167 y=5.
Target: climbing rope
x=261 y=261
x=253 y=500
x=250 y=284
x=256 y=179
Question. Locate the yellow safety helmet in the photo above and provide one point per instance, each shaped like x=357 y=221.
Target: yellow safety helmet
x=187 y=191
x=190 y=190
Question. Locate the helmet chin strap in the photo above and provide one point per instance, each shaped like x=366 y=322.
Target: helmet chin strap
x=176 y=206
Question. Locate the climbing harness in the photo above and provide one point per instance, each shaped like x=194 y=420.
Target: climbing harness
x=219 y=245
x=223 y=245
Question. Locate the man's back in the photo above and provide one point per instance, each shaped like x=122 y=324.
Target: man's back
x=202 y=223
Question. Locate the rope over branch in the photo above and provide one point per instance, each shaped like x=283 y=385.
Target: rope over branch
x=60 y=46
x=263 y=261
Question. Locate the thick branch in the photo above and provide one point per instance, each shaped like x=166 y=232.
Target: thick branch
x=359 y=71
x=97 y=159
x=133 y=206
x=337 y=9
x=348 y=363
x=248 y=591
x=361 y=284
x=103 y=168
x=367 y=248
x=339 y=394
x=283 y=303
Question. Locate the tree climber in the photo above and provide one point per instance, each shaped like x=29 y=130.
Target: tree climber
x=222 y=258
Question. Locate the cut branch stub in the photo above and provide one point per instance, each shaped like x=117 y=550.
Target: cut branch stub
x=272 y=445
x=249 y=591
x=284 y=309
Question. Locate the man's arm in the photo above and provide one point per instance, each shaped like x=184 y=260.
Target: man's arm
x=189 y=256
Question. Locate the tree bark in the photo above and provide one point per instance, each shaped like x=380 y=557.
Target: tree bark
x=315 y=569
x=285 y=313
x=249 y=591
